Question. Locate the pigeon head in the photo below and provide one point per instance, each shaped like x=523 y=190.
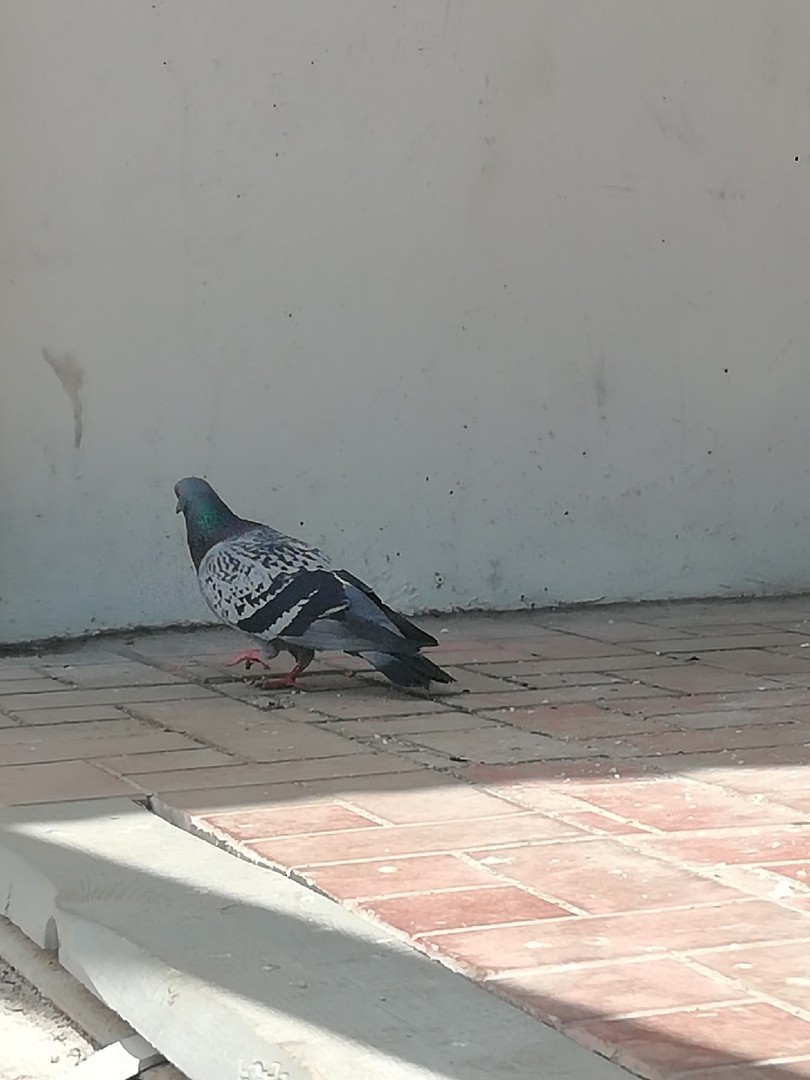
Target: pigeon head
x=193 y=490
x=208 y=518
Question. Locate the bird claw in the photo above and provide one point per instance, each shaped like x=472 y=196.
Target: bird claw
x=249 y=657
x=286 y=683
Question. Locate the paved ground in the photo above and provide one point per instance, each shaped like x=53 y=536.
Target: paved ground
x=36 y=1041
x=607 y=821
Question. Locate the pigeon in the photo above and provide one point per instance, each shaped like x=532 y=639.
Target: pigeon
x=287 y=594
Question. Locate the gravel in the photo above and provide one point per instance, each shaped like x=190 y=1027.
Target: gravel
x=37 y=1042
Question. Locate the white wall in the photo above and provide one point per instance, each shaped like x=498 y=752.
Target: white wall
x=501 y=303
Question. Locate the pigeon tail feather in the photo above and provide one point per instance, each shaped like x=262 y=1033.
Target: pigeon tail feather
x=405 y=670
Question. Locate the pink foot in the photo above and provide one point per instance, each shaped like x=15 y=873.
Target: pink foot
x=287 y=682
x=249 y=657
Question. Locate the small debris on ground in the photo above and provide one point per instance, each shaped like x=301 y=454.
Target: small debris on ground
x=37 y=1042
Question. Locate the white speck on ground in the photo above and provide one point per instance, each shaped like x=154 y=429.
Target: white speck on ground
x=37 y=1042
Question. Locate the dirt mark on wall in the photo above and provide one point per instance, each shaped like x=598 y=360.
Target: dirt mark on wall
x=69 y=372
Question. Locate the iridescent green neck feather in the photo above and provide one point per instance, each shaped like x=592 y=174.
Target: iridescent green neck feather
x=208 y=519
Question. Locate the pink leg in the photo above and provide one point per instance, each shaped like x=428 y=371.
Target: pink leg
x=249 y=657
x=287 y=681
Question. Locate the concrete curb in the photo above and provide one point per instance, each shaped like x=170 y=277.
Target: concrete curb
x=237 y=973
x=100 y=1024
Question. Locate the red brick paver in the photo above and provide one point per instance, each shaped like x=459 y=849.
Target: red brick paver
x=605 y=820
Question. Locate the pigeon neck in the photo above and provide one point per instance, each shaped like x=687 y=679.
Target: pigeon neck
x=208 y=523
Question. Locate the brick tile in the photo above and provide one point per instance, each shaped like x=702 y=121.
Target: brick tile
x=277 y=772
x=540 y=794
x=551 y=773
x=16 y=672
x=577 y=665
x=590 y=819
x=765 y=782
x=606 y=694
x=219 y=776
x=751 y=757
x=188 y=716
x=779 y=971
x=424 y=913
x=297 y=820
x=610 y=629
x=677 y=804
x=90 y=653
x=353 y=705
x=799 y=649
x=744 y=847
x=389 y=727
x=178 y=643
x=562 y=996
x=206 y=800
x=191 y=802
x=576 y=680
x=612 y=937
x=289 y=713
x=428 y=759
x=515 y=698
x=719 y=718
x=131 y=764
x=494 y=626
x=494 y=744
x=764 y=639
x=19 y=703
x=759 y=662
x=69 y=715
x=794 y=1070
x=798 y=680
x=394 y=877
x=254 y=733
x=602 y=877
x=739 y=612
x=563 y=723
x=781 y=697
x=561 y=695
x=570 y=646
x=34 y=687
x=79 y=749
x=579 y=721
x=121 y=673
x=508 y=629
x=429 y=801
x=65 y=780
x=271 y=740
x=475 y=681
x=402 y=840
x=799 y=872
x=700 y=679
x=698 y=740
x=477 y=652
x=590 y=722
x=666 y=705
x=48 y=733
x=682 y=1041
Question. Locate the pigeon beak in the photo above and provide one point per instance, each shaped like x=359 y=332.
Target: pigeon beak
x=179 y=507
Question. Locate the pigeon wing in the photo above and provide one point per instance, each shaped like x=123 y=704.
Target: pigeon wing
x=242 y=578
x=359 y=624
x=408 y=629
